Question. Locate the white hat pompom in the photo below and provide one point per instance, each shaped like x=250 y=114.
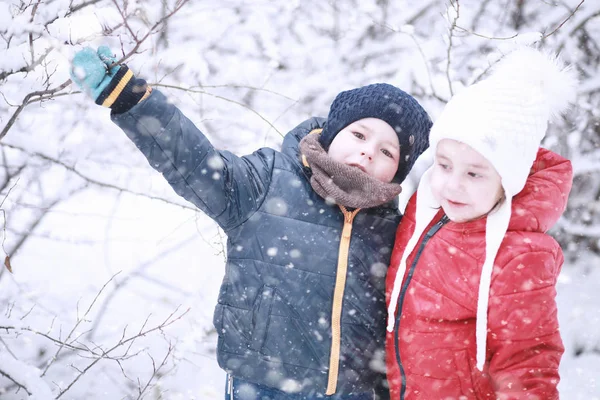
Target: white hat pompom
x=527 y=66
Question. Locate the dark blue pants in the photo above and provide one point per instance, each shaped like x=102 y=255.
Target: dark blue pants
x=237 y=389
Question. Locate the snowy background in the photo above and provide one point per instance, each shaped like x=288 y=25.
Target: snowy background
x=114 y=277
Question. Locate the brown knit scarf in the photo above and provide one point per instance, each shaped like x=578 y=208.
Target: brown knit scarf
x=342 y=184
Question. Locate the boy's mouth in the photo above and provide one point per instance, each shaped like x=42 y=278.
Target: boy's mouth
x=359 y=167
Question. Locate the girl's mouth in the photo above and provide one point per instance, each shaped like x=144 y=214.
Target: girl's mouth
x=455 y=203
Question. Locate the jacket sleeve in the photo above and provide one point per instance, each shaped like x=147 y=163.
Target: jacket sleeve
x=225 y=187
x=523 y=336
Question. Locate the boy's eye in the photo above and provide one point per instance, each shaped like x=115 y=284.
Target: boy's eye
x=387 y=153
x=443 y=166
x=358 y=135
x=474 y=175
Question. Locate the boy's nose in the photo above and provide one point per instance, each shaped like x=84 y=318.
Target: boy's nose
x=367 y=153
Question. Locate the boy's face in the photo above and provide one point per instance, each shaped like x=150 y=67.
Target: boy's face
x=369 y=144
x=464 y=183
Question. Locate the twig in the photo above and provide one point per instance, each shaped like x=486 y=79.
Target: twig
x=44 y=93
x=105 y=354
x=26 y=99
x=486 y=37
x=99 y=183
x=7 y=348
x=45 y=335
x=72 y=10
x=139 y=42
x=168 y=321
x=155 y=371
x=236 y=86
x=450 y=43
x=33 y=11
x=421 y=52
x=221 y=98
x=562 y=23
x=15 y=382
x=27 y=68
x=580 y=25
x=79 y=320
x=4 y=226
x=125 y=20
x=125 y=280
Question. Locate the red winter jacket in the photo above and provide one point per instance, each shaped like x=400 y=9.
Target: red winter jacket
x=434 y=354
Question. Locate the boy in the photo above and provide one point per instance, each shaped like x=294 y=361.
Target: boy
x=301 y=310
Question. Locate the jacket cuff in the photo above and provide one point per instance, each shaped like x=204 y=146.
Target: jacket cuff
x=123 y=92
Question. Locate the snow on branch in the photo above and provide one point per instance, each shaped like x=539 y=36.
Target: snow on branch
x=50 y=92
x=30 y=379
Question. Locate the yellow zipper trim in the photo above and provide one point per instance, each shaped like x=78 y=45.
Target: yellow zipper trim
x=338 y=298
x=317 y=131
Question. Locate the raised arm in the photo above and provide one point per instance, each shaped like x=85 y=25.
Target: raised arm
x=226 y=187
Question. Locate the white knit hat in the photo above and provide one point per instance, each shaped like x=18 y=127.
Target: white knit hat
x=504 y=118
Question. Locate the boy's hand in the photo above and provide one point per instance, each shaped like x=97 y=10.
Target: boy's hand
x=108 y=84
x=91 y=70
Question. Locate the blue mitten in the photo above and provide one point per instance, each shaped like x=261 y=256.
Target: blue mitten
x=90 y=70
x=113 y=87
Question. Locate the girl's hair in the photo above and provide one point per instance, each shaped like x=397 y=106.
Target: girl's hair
x=499 y=203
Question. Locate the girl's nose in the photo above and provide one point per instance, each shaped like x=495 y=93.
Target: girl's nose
x=367 y=153
x=454 y=184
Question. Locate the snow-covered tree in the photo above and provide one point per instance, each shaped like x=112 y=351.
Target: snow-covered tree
x=102 y=250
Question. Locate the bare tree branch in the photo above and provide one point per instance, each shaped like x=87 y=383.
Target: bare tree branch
x=46 y=93
x=126 y=279
x=155 y=371
x=77 y=323
x=99 y=354
x=456 y=6
x=6 y=375
x=172 y=318
x=28 y=68
x=564 y=21
x=26 y=99
x=486 y=37
x=190 y=90
x=97 y=182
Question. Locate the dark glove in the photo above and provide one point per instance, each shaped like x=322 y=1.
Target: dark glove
x=109 y=85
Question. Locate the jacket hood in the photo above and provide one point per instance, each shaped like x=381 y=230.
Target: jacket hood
x=291 y=141
x=544 y=198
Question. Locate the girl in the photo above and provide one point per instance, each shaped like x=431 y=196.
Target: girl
x=471 y=287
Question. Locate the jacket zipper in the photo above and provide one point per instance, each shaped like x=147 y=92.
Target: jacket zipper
x=338 y=291
x=229 y=388
x=338 y=298
x=432 y=231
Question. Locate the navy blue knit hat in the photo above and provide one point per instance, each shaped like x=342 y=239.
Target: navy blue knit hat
x=390 y=104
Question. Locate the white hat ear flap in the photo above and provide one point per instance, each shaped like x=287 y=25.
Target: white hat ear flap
x=426 y=208
x=495 y=230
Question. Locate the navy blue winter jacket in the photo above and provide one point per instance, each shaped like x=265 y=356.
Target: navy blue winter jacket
x=286 y=264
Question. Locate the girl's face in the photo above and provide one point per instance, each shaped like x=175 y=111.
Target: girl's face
x=464 y=183
x=369 y=144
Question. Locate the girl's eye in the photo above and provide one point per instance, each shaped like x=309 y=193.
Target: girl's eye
x=443 y=166
x=474 y=175
x=387 y=153
x=358 y=135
